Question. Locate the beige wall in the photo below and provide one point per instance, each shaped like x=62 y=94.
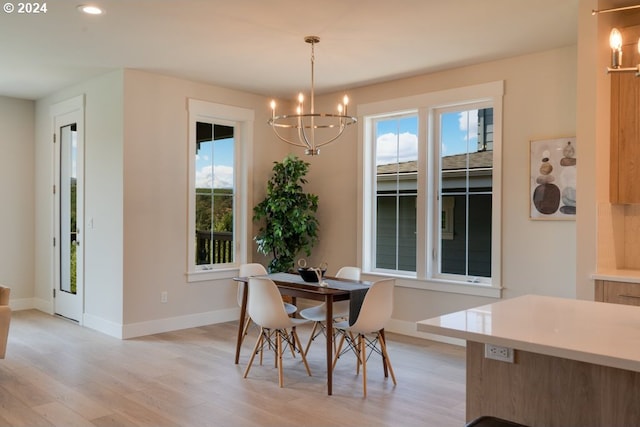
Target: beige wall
x=17 y=176
x=537 y=256
x=155 y=208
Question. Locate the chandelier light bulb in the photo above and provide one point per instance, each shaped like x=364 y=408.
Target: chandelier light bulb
x=615 y=39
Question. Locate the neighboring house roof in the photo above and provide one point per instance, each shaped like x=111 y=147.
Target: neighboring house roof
x=477 y=160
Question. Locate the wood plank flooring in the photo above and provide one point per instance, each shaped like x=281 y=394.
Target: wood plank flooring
x=57 y=373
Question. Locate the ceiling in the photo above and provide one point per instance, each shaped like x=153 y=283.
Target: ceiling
x=258 y=46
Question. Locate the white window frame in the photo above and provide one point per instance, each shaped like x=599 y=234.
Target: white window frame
x=438 y=206
x=426 y=105
x=372 y=235
x=242 y=120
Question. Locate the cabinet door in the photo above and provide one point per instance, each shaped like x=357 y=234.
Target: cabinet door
x=625 y=125
x=622 y=293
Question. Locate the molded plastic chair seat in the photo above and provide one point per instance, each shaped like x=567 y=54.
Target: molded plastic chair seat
x=318 y=313
x=266 y=309
x=249 y=270
x=376 y=311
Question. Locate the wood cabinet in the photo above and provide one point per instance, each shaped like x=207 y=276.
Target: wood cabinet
x=618 y=292
x=625 y=125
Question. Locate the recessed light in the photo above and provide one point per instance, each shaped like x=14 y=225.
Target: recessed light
x=90 y=9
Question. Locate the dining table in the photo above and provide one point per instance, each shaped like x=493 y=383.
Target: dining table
x=330 y=290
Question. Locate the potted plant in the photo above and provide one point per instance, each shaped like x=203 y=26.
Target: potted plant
x=290 y=225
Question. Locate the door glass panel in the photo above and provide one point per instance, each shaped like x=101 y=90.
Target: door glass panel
x=68 y=208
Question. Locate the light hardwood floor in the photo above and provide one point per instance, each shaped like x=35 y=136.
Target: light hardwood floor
x=59 y=374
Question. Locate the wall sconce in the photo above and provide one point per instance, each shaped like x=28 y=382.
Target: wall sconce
x=615 y=41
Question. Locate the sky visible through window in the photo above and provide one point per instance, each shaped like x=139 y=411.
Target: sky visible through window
x=397 y=139
x=214 y=164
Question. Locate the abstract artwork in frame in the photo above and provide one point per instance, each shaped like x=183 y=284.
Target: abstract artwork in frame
x=552 y=177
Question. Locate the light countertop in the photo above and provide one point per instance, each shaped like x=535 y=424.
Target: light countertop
x=587 y=331
x=629 y=276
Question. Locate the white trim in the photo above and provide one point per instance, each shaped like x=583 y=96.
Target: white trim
x=425 y=105
x=158 y=326
x=439 y=285
x=216 y=274
x=63 y=113
x=242 y=120
x=180 y=322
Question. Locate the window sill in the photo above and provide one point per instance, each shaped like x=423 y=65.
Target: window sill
x=208 y=275
x=439 y=285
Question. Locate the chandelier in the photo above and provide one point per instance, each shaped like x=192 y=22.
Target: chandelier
x=313 y=130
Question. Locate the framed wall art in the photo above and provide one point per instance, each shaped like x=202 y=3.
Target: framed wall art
x=552 y=177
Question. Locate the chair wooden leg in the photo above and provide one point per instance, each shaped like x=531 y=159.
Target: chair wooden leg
x=385 y=356
x=261 y=345
x=293 y=341
x=279 y=351
x=253 y=353
x=337 y=354
x=311 y=337
x=363 y=357
x=304 y=357
x=356 y=347
x=245 y=329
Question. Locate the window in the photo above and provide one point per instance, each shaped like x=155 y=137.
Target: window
x=431 y=180
x=219 y=141
x=396 y=156
x=214 y=193
x=465 y=168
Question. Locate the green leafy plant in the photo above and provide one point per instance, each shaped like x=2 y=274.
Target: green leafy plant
x=290 y=225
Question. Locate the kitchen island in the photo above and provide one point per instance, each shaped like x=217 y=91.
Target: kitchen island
x=575 y=363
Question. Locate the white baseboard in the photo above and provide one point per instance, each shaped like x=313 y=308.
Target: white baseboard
x=102 y=325
x=132 y=330
x=18 y=304
x=181 y=322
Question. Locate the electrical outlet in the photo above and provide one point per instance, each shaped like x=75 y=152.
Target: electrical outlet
x=504 y=354
x=163 y=297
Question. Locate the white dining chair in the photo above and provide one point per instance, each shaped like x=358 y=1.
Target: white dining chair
x=266 y=309
x=249 y=270
x=367 y=330
x=318 y=314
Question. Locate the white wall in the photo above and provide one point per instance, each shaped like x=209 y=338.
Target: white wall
x=537 y=256
x=17 y=139
x=103 y=200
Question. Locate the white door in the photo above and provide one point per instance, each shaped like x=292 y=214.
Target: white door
x=68 y=191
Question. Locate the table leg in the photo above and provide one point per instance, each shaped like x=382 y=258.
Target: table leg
x=329 y=330
x=243 y=315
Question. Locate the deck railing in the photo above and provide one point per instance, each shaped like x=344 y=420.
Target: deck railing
x=214 y=247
